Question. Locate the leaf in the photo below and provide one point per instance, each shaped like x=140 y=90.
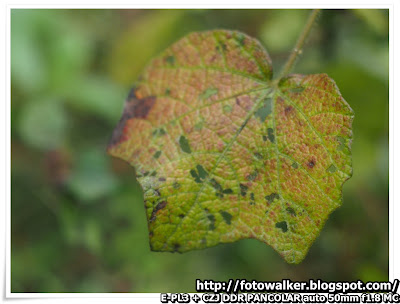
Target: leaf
x=224 y=153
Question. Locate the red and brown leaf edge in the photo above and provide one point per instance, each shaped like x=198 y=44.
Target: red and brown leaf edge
x=224 y=153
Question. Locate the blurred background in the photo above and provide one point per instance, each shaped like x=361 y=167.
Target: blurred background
x=77 y=216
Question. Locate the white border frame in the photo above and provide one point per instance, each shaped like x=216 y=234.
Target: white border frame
x=394 y=247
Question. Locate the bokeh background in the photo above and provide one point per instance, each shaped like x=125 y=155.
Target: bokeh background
x=77 y=217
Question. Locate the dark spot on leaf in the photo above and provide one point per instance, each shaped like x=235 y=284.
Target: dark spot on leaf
x=212 y=221
x=181 y=215
x=202 y=172
x=291 y=211
x=219 y=190
x=252 y=176
x=226 y=216
x=295 y=165
x=271 y=135
x=243 y=189
x=162 y=179
x=176 y=247
x=195 y=176
x=134 y=108
x=264 y=110
x=159 y=132
x=282 y=225
x=215 y=185
x=157 y=154
x=183 y=142
x=288 y=110
x=200 y=175
x=252 y=196
x=221 y=47
x=331 y=169
x=311 y=163
x=170 y=59
x=258 y=155
x=270 y=198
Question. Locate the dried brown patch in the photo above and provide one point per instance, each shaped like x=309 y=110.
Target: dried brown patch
x=135 y=107
x=158 y=207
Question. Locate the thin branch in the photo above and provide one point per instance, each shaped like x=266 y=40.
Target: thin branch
x=299 y=45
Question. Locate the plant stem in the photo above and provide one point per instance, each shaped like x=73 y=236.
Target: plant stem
x=299 y=45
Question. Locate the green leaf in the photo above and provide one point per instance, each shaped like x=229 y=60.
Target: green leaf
x=240 y=155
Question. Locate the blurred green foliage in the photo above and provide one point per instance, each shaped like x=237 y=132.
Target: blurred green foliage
x=77 y=216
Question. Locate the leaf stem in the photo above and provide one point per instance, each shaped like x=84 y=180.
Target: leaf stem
x=299 y=45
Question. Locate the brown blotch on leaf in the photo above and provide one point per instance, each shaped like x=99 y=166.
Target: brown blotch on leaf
x=138 y=107
x=158 y=207
x=135 y=107
x=288 y=110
